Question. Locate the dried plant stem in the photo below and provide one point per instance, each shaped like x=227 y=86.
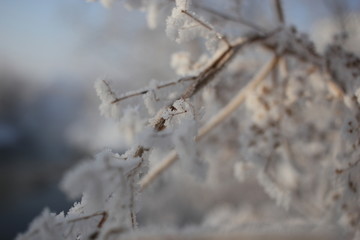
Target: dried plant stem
x=209 y=72
x=316 y=61
x=158 y=169
x=335 y=88
x=144 y=91
x=284 y=67
x=280 y=11
x=238 y=19
x=206 y=75
x=104 y=215
x=222 y=115
x=237 y=100
x=218 y=64
x=207 y=26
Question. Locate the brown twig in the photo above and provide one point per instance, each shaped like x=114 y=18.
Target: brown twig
x=280 y=11
x=104 y=215
x=213 y=68
x=207 y=26
x=231 y=18
x=350 y=165
x=144 y=91
x=220 y=62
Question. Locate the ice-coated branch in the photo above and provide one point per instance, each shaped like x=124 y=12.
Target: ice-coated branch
x=221 y=116
x=218 y=64
x=207 y=26
x=208 y=72
x=146 y=90
x=228 y=17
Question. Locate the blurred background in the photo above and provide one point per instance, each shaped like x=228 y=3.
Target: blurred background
x=52 y=51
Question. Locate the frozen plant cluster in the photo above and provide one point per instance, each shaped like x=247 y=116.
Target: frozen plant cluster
x=259 y=133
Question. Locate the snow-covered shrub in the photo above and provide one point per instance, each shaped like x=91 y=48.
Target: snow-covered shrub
x=257 y=109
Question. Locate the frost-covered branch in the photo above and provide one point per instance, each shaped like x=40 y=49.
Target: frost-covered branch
x=228 y=17
x=223 y=114
x=284 y=131
x=146 y=90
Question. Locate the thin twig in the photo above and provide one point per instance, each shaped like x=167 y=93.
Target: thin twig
x=316 y=60
x=207 y=26
x=220 y=62
x=284 y=67
x=238 y=19
x=350 y=165
x=146 y=90
x=221 y=116
x=213 y=67
x=238 y=99
x=205 y=77
x=103 y=214
x=158 y=169
x=335 y=88
x=209 y=72
x=280 y=11
x=132 y=205
x=231 y=18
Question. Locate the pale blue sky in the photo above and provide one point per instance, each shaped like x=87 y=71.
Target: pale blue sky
x=41 y=34
x=49 y=37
